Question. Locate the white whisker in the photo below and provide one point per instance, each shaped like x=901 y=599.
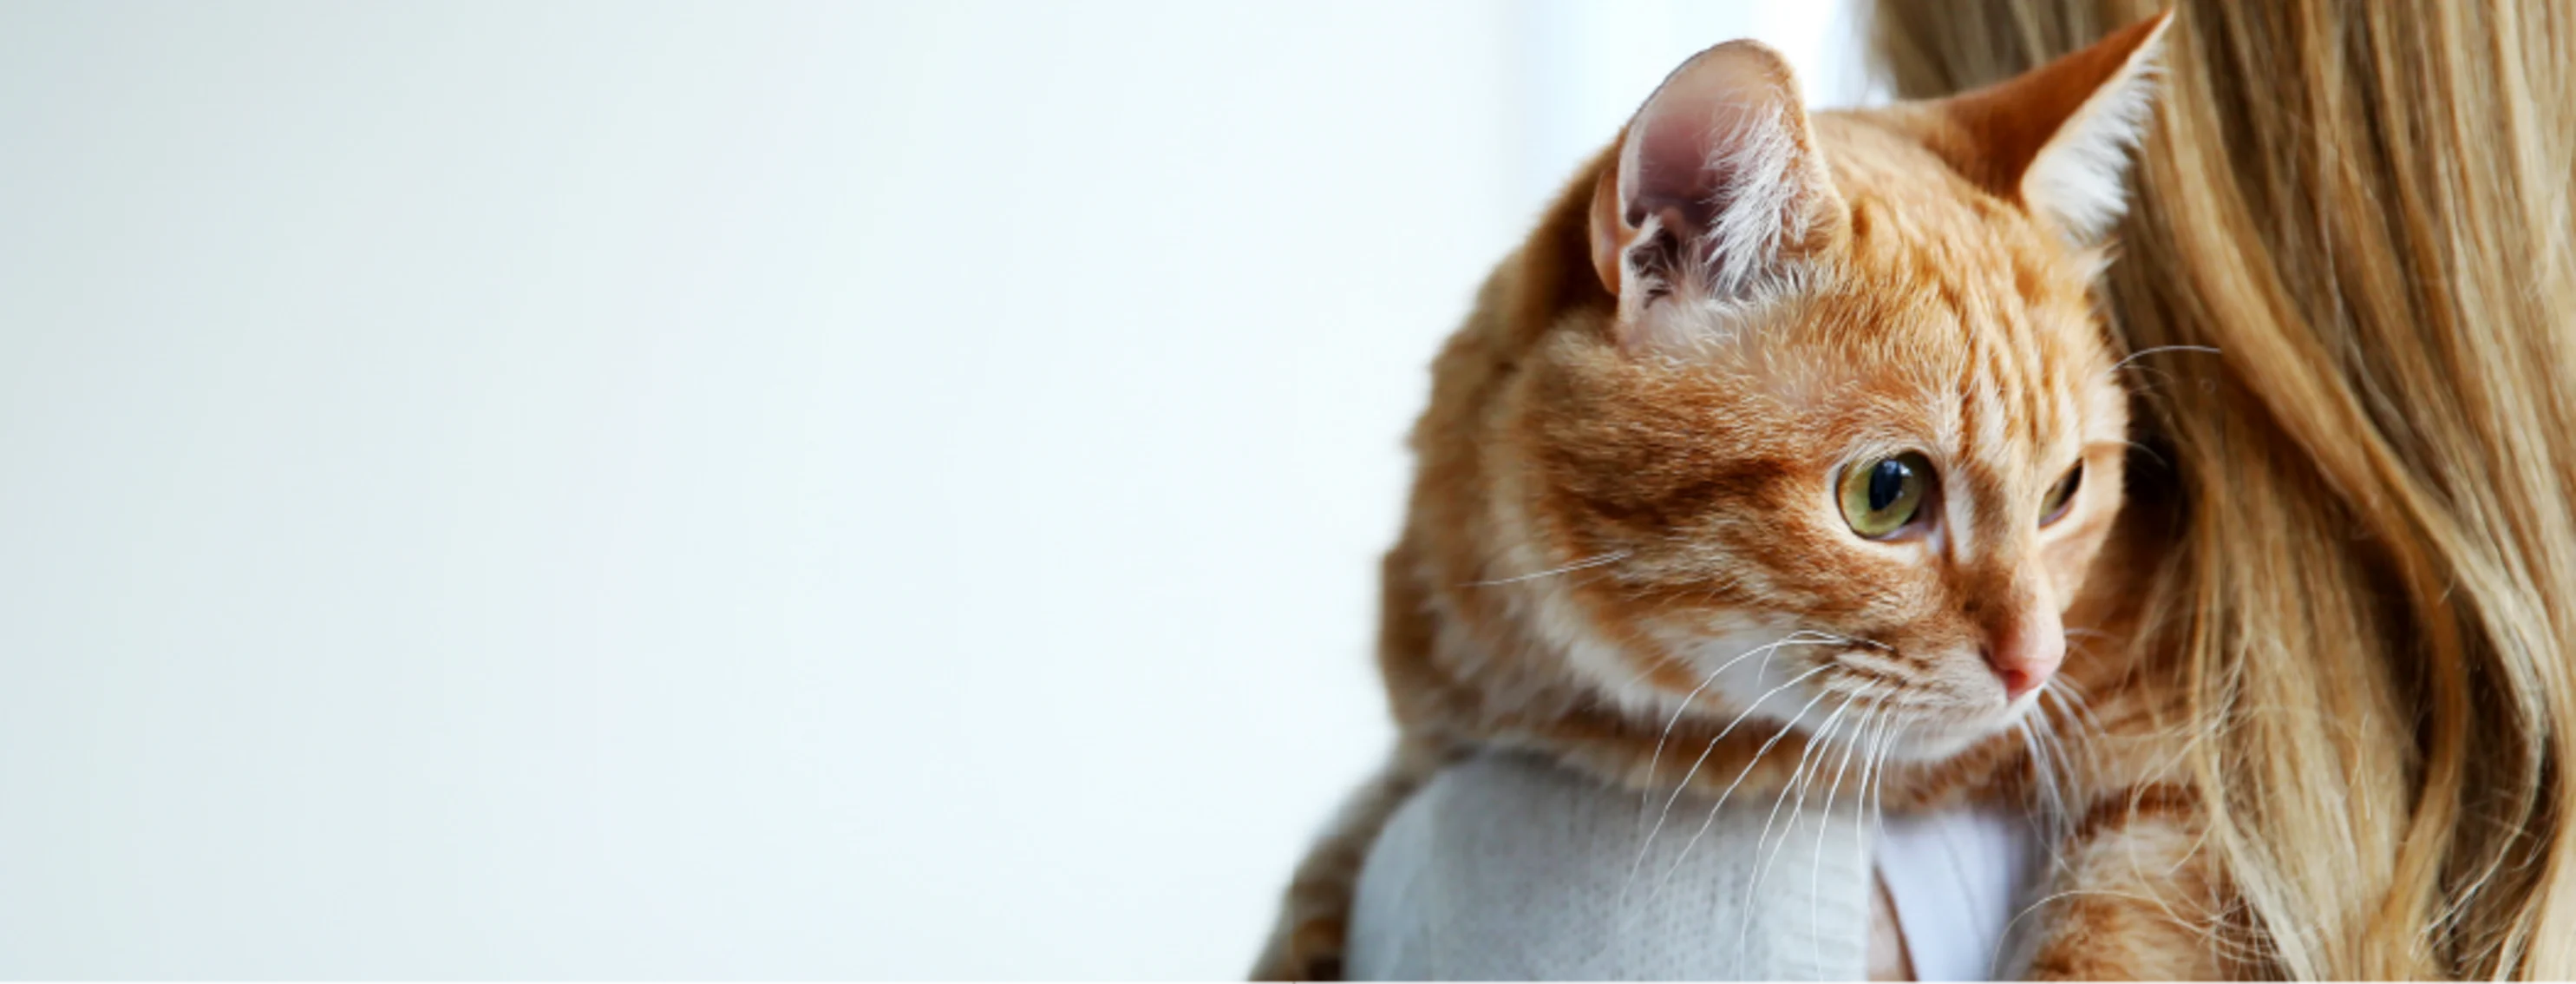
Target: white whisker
x=1642 y=849
x=1758 y=754
x=1798 y=782
x=1608 y=558
x=1874 y=779
x=2073 y=692
x=1816 y=870
x=2041 y=786
x=2142 y=353
x=2044 y=773
x=2090 y=732
x=1646 y=795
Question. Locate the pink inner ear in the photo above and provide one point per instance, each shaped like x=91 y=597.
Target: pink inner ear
x=1672 y=176
x=1720 y=161
x=1699 y=143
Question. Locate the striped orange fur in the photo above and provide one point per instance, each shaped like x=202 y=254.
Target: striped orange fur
x=1627 y=540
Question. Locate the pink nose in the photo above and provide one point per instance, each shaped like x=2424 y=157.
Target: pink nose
x=2025 y=655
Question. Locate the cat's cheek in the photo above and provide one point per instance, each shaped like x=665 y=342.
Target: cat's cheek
x=2067 y=557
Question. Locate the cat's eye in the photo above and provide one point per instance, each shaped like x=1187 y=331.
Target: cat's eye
x=1882 y=496
x=2053 y=508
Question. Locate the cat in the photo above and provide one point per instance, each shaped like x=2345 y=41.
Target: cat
x=1801 y=426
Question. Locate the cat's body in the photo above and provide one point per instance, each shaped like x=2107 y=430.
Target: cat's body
x=1623 y=551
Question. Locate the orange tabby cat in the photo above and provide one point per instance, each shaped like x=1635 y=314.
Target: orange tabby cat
x=1781 y=424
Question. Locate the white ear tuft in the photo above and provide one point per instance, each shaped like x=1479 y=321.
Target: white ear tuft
x=1717 y=187
x=2077 y=180
x=2058 y=138
x=1721 y=173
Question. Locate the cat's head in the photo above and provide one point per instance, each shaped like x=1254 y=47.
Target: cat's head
x=1853 y=436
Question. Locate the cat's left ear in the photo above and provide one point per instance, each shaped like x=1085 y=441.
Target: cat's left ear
x=2058 y=137
x=1718 y=186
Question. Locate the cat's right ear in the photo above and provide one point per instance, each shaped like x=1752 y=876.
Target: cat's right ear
x=1718 y=184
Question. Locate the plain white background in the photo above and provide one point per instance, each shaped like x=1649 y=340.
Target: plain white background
x=761 y=489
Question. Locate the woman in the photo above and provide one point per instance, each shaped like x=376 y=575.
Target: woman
x=2363 y=208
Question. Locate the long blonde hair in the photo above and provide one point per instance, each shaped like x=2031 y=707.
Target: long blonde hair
x=2364 y=207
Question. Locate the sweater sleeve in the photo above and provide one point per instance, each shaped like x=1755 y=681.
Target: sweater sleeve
x=1507 y=868
x=1958 y=878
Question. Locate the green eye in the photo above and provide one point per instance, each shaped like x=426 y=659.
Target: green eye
x=2053 y=508
x=1880 y=497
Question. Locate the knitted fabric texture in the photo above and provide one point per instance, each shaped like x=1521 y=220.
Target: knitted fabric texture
x=1507 y=868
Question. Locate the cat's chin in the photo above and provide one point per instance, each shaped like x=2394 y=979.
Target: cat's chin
x=1938 y=743
x=1938 y=739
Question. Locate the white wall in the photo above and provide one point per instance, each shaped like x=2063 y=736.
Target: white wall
x=600 y=488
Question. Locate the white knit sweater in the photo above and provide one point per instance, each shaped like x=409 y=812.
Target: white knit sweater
x=1505 y=868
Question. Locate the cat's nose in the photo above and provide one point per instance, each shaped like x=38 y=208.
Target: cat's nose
x=2026 y=654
